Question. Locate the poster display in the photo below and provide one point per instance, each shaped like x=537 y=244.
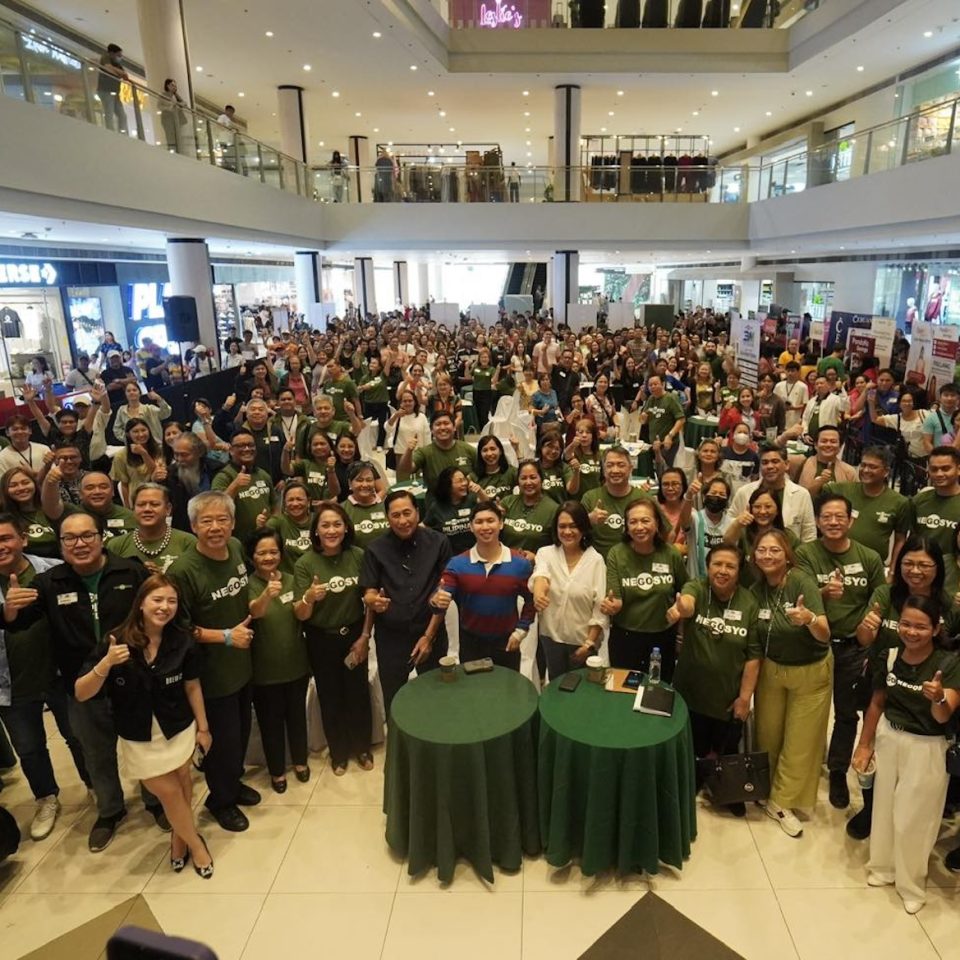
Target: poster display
x=745 y=335
x=883 y=330
x=839 y=325
x=860 y=348
x=932 y=356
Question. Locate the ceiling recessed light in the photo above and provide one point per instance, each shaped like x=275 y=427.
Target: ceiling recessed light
x=619 y=93
x=307 y=67
x=610 y=113
x=358 y=114
x=714 y=93
x=320 y=143
x=526 y=113
x=199 y=69
x=928 y=33
x=335 y=93
x=413 y=66
x=736 y=129
x=678 y=130
x=241 y=94
x=377 y=34
x=453 y=129
x=769 y=113
x=526 y=93
x=429 y=93
x=443 y=113
x=269 y=33
x=809 y=93
x=526 y=129
x=603 y=129
x=529 y=143
x=529 y=154
x=376 y=129
x=860 y=68
x=696 y=113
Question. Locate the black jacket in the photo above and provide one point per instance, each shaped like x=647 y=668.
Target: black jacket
x=139 y=691
x=66 y=603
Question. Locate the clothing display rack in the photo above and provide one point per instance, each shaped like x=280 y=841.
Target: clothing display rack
x=444 y=172
x=647 y=167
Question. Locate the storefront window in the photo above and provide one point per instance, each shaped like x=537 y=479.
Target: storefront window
x=32 y=335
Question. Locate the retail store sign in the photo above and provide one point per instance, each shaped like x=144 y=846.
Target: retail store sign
x=34 y=274
x=52 y=53
x=500 y=15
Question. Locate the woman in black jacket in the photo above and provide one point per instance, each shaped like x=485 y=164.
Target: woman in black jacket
x=149 y=668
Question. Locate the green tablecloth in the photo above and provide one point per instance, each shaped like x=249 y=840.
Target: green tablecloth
x=460 y=776
x=698 y=429
x=616 y=787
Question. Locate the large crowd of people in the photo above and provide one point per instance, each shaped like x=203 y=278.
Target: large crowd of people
x=402 y=487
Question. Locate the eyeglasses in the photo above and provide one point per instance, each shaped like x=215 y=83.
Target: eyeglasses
x=922 y=565
x=70 y=539
x=243 y=446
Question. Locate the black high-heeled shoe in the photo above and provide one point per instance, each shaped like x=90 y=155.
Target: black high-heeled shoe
x=177 y=864
x=205 y=872
x=279 y=785
x=302 y=775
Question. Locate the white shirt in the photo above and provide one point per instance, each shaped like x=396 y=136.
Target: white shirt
x=831 y=406
x=409 y=425
x=797 y=508
x=575 y=596
x=32 y=457
x=793 y=396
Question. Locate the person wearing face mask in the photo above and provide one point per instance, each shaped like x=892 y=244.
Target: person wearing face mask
x=708 y=525
x=740 y=460
x=825 y=466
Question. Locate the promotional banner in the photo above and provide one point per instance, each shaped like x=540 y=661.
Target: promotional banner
x=883 y=329
x=816 y=331
x=840 y=324
x=943 y=362
x=745 y=336
x=932 y=357
x=860 y=348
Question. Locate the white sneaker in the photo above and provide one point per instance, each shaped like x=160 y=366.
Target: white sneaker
x=789 y=824
x=45 y=817
x=878 y=880
x=913 y=906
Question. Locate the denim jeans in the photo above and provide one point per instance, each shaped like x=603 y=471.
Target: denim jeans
x=24 y=723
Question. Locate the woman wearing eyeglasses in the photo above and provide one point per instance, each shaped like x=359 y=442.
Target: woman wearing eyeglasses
x=796 y=679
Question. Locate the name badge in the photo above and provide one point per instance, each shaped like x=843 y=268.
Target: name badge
x=463 y=512
x=853 y=568
x=855 y=514
x=661 y=568
x=116 y=522
x=763 y=614
x=241 y=568
x=64 y=598
x=286 y=597
x=732 y=615
x=273 y=439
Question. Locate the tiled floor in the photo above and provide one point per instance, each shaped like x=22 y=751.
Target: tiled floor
x=314 y=876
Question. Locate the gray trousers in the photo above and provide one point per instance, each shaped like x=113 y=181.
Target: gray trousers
x=93 y=726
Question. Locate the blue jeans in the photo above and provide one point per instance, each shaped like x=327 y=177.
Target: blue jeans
x=24 y=723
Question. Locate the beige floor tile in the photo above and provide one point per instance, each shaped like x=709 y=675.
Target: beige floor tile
x=465 y=880
x=244 y=862
x=472 y=926
x=939 y=875
x=124 y=867
x=355 y=788
x=29 y=920
x=723 y=857
x=339 y=850
x=750 y=923
x=15 y=869
x=868 y=924
x=347 y=925
x=222 y=921
x=540 y=877
x=940 y=919
x=564 y=924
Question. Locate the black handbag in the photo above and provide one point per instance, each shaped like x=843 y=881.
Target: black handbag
x=736 y=778
x=953 y=759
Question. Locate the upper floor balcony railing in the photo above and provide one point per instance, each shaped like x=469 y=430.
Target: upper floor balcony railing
x=42 y=73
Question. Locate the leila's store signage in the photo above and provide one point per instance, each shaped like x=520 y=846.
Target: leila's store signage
x=500 y=14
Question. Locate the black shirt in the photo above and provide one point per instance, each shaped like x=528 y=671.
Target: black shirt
x=140 y=691
x=566 y=383
x=409 y=572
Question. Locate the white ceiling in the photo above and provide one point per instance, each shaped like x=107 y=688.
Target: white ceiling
x=373 y=77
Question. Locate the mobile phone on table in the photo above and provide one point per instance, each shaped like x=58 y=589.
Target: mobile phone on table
x=633 y=680
x=570 y=682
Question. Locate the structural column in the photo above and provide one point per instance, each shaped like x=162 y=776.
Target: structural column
x=401 y=283
x=423 y=283
x=364 y=293
x=306 y=276
x=566 y=140
x=361 y=172
x=293 y=124
x=188 y=263
x=566 y=275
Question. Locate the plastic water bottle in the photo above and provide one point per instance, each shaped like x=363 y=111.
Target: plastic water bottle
x=653 y=677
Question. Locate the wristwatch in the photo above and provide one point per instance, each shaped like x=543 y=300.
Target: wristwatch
x=941 y=701
x=228 y=636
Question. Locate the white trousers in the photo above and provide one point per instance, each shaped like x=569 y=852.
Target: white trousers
x=908 y=796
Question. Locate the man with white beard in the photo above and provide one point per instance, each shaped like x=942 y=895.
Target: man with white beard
x=191 y=473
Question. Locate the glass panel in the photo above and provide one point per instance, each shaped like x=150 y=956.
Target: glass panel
x=288 y=169
x=270 y=166
x=11 y=78
x=54 y=78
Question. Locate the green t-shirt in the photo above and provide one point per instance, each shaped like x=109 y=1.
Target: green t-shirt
x=278 y=650
x=499 y=484
x=555 y=481
x=875 y=519
x=889 y=636
x=29 y=652
x=369 y=521
x=906 y=705
x=781 y=641
x=250 y=501
x=117 y=520
x=332 y=431
x=338 y=391
x=126 y=546
x=343 y=604
x=831 y=363
x=717 y=641
x=483 y=378
x=528 y=528
x=749 y=575
x=214 y=594
x=452 y=521
x=662 y=414
x=432 y=461
x=41 y=534
x=315 y=475
x=377 y=389
x=937 y=518
x=863 y=576
x=589 y=474
x=647 y=583
x=296 y=539
x=506 y=385
x=91 y=583
x=609 y=533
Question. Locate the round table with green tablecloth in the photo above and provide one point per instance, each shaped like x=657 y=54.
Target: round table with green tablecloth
x=616 y=787
x=460 y=776
x=698 y=429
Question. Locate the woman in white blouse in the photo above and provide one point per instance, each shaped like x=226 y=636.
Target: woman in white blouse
x=569 y=584
x=407 y=422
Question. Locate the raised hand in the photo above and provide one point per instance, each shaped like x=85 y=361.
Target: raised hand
x=833 y=589
x=800 y=615
x=695 y=487
x=874 y=618
x=610 y=606
x=933 y=689
x=117 y=653
x=413 y=442
x=262 y=517
x=673 y=612
x=274 y=585
x=598 y=516
x=381 y=602
x=315 y=592
x=243 y=479
x=441 y=599
x=18 y=597
x=242 y=634
x=745 y=518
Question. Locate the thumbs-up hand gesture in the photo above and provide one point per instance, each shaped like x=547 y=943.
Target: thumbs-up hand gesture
x=243 y=478
x=274 y=585
x=381 y=602
x=441 y=600
x=116 y=654
x=18 y=597
x=933 y=689
x=745 y=519
x=833 y=590
x=825 y=476
x=598 y=516
x=695 y=487
x=413 y=442
x=262 y=517
x=242 y=634
x=316 y=591
x=873 y=619
x=159 y=472
x=610 y=606
x=673 y=612
x=800 y=615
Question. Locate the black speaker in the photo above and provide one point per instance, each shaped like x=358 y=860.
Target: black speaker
x=180 y=316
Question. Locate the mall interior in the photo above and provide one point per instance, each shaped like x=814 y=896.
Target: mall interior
x=328 y=156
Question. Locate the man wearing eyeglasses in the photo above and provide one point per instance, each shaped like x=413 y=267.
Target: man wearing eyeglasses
x=84 y=598
x=247 y=485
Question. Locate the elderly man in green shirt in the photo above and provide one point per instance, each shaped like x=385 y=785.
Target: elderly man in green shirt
x=850 y=577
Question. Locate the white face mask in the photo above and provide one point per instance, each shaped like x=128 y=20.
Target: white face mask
x=742 y=438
